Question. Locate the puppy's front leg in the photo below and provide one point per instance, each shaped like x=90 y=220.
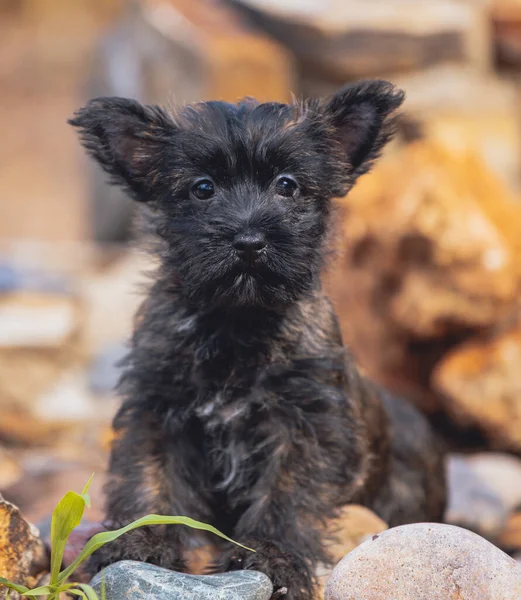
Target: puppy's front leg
x=291 y=576
x=308 y=458
x=148 y=475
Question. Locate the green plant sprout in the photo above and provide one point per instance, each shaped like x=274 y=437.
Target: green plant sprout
x=65 y=518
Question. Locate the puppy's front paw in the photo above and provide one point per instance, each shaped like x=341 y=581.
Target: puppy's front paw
x=142 y=545
x=290 y=576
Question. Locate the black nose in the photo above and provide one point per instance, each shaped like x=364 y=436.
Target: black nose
x=249 y=244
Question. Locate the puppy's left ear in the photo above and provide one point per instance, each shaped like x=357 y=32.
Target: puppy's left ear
x=361 y=116
x=127 y=139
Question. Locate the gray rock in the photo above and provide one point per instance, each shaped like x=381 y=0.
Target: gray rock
x=471 y=502
x=105 y=369
x=502 y=472
x=130 y=580
x=344 y=40
x=14 y=277
x=425 y=561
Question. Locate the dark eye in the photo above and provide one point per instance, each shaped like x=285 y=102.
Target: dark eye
x=286 y=186
x=203 y=189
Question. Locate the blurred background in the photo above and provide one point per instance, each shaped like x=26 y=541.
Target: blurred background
x=428 y=272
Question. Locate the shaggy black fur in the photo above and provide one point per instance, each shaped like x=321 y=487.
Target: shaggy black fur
x=240 y=406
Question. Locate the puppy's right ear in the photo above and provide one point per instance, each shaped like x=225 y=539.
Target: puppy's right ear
x=127 y=139
x=362 y=118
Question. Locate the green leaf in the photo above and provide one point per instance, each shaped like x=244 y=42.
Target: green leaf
x=21 y=589
x=85 y=494
x=66 y=516
x=105 y=537
x=77 y=593
x=44 y=590
x=85 y=591
x=103 y=588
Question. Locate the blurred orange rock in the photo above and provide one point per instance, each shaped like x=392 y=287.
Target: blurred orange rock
x=17 y=426
x=39 y=342
x=431 y=247
x=506 y=20
x=353 y=525
x=468 y=110
x=22 y=553
x=106 y=437
x=510 y=539
x=481 y=384
x=10 y=470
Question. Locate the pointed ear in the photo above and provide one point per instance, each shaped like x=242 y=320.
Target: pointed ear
x=127 y=139
x=362 y=121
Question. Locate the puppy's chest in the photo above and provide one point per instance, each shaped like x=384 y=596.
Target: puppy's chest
x=227 y=386
x=219 y=411
x=226 y=401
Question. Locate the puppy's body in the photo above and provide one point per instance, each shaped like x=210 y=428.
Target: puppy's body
x=240 y=406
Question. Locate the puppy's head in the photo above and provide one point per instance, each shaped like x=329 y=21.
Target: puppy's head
x=242 y=192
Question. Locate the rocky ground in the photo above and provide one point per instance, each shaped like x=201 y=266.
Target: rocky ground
x=62 y=336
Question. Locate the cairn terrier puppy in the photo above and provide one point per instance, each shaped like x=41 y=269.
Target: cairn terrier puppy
x=241 y=406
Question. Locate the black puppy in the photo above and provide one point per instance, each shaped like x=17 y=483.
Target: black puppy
x=240 y=405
